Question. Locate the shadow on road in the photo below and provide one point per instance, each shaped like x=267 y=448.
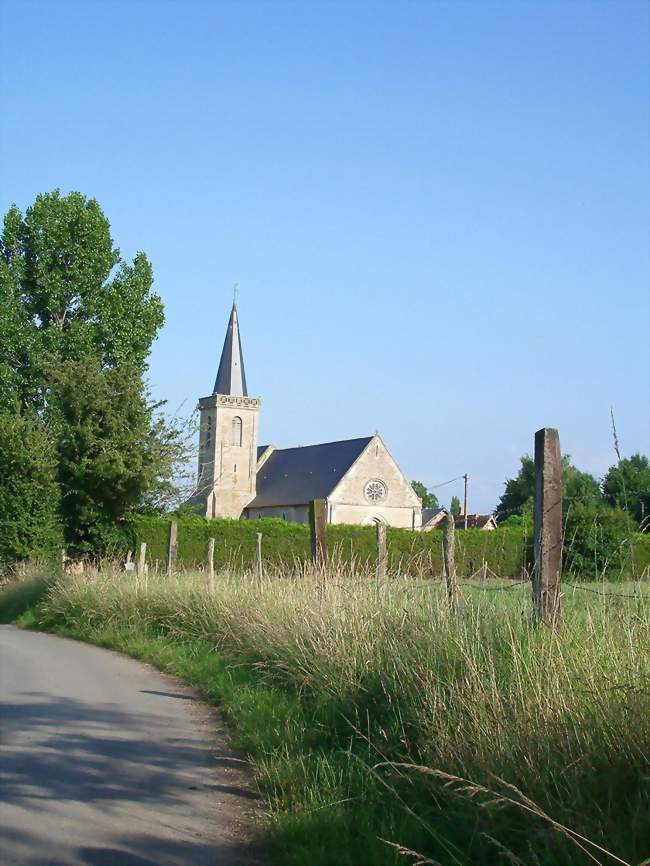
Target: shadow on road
x=79 y=758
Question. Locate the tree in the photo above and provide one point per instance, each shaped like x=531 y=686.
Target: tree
x=76 y=327
x=428 y=500
x=113 y=452
x=454 y=508
x=519 y=495
x=29 y=495
x=68 y=293
x=627 y=486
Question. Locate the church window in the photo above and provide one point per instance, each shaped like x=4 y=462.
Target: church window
x=208 y=432
x=235 y=433
x=375 y=490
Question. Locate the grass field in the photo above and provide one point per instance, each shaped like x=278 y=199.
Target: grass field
x=384 y=728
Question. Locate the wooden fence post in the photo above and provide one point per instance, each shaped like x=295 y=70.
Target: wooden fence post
x=318 y=531
x=381 y=551
x=141 y=559
x=547 y=567
x=172 y=548
x=211 y=564
x=258 y=557
x=450 y=565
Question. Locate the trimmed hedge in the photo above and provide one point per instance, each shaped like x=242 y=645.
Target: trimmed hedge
x=505 y=550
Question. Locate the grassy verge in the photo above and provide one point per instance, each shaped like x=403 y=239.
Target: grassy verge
x=378 y=722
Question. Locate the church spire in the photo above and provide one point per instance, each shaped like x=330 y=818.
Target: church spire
x=231 y=378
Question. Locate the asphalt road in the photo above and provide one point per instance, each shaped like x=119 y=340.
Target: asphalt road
x=105 y=762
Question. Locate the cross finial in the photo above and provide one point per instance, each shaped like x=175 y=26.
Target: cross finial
x=234 y=293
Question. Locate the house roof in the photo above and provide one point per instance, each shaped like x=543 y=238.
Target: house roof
x=432 y=515
x=295 y=476
x=474 y=521
x=231 y=378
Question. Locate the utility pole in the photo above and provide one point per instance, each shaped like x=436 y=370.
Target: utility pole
x=465 y=477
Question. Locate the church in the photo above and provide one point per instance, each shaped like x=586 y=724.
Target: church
x=358 y=478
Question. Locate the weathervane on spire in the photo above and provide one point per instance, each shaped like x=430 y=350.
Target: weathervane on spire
x=234 y=293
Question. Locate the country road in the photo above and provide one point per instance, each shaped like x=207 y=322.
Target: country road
x=105 y=762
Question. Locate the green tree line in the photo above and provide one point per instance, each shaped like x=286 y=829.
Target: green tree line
x=601 y=518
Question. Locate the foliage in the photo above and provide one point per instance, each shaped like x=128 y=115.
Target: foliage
x=518 y=520
x=112 y=451
x=598 y=542
x=417 y=554
x=363 y=710
x=641 y=556
x=68 y=293
x=519 y=495
x=29 y=496
x=76 y=327
x=627 y=486
x=454 y=507
x=20 y=595
x=428 y=500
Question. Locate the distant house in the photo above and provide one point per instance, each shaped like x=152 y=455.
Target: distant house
x=486 y=522
x=434 y=518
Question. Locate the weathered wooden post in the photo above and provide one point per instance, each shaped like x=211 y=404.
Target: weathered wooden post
x=450 y=565
x=381 y=551
x=318 y=531
x=211 y=564
x=172 y=548
x=141 y=559
x=547 y=569
x=258 y=557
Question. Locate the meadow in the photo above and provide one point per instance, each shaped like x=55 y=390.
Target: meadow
x=384 y=727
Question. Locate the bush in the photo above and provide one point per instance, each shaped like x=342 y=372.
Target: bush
x=641 y=555
x=506 y=551
x=599 y=542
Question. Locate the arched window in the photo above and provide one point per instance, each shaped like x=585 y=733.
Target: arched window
x=235 y=433
x=208 y=432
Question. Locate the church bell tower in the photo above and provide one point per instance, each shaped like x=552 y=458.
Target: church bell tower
x=228 y=434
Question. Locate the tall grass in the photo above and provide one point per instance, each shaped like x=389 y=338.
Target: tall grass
x=385 y=728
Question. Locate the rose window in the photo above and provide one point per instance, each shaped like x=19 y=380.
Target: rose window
x=375 y=491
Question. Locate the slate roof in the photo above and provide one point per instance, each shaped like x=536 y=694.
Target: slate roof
x=429 y=514
x=231 y=378
x=295 y=476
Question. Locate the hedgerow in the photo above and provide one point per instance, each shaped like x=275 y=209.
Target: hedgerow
x=505 y=551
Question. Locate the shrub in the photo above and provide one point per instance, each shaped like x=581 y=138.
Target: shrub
x=506 y=551
x=598 y=542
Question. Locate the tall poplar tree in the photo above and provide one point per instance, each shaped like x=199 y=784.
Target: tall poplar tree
x=76 y=327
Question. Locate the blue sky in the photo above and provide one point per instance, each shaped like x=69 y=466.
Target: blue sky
x=437 y=213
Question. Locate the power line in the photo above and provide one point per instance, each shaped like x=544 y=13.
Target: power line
x=444 y=483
